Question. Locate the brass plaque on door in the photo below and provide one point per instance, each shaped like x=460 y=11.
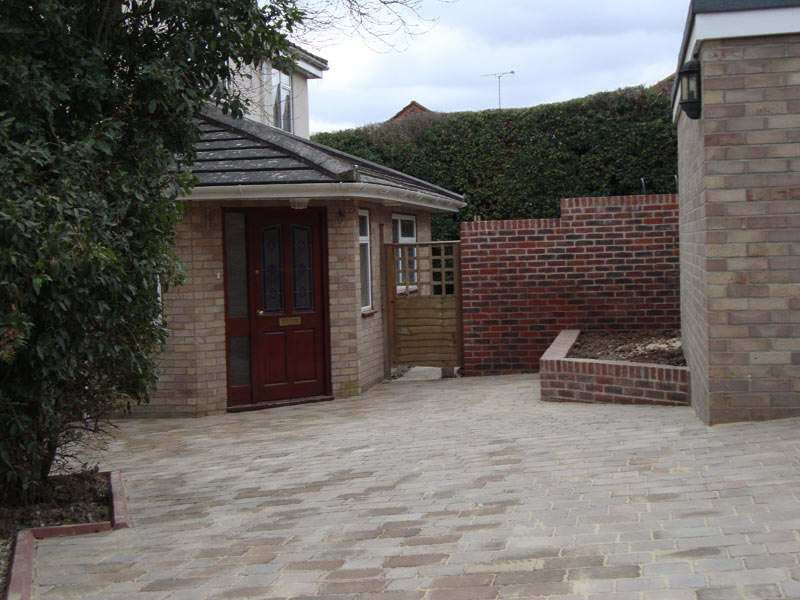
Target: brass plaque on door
x=289 y=321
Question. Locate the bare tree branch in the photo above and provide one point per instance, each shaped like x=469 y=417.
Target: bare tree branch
x=383 y=24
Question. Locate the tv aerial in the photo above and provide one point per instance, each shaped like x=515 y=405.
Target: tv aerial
x=499 y=79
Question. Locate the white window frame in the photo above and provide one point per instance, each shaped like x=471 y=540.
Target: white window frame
x=399 y=218
x=281 y=89
x=364 y=240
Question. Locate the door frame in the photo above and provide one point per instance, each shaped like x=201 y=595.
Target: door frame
x=243 y=395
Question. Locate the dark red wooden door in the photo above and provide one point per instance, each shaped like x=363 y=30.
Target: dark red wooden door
x=287 y=339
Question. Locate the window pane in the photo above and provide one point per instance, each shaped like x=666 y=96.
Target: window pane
x=287 y=111
x=301 y=268
x=363 y=225
x=395 y=231
x=366 y=292
x=235 y=264
x=240 y=361
x=272 y=257
x=407 y=229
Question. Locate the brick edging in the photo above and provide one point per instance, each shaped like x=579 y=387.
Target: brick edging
x=605 y=381
x=20 y=573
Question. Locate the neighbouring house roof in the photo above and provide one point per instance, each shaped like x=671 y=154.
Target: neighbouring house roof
x=411 y=108
x=241 y=158
x=718 y=22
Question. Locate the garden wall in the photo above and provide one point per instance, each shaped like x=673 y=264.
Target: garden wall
x=606 y=264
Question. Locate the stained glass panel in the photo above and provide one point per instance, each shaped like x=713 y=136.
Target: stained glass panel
x=272 y=261
x=301 y=268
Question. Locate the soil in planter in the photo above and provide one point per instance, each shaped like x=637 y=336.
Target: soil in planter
x=68 y=500
x=658 y=347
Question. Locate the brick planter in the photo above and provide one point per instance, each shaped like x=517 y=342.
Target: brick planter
x=606 y=381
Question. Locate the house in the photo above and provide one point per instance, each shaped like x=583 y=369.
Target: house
x=281 y=99
x=739 y=170
x=281 y=242
x=412 y=108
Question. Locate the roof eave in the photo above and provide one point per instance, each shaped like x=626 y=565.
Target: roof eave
x=383 y=194
x=749 y=28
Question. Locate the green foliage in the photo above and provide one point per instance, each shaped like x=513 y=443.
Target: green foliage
x=96 y=105
x=519 y=163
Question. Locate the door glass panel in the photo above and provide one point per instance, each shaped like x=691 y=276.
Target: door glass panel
x=236 y=264
x=272 y=261
x=301 y=268
x=240 y=361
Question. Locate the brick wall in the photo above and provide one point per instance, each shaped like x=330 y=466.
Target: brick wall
x=603 y=381
x=193 y=371
x=343 y=286
x=740 y=187
x=606 y=264
x=694 y=295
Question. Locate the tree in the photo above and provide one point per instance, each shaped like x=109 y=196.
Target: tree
x=96 y=105
x=97 y=99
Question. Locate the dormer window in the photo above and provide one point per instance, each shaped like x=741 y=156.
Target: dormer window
x=282 y=111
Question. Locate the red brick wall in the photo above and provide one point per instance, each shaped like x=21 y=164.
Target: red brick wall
x=606 y=264
x=604 y=381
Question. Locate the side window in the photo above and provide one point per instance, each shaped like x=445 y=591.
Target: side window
x=282 y=110
x=404 y=231
x=364 y=258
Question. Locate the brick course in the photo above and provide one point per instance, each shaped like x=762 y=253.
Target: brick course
x=604 y=381
x=606 y=264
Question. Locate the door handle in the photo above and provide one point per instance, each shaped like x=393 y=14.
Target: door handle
x=260 y=313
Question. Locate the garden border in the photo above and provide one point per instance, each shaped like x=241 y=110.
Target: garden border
x=606 y=381
x=20 y=573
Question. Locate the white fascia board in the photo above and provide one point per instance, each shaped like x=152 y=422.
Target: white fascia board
x=369 y=191
x=307 y=69
x=738 y=23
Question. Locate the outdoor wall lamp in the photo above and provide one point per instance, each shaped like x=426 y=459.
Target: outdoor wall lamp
x=690 y=89
x=298 y=203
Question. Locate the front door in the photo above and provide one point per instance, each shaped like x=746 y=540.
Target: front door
x=276 y=307
x=288 y=306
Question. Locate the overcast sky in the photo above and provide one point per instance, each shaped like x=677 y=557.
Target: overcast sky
x=558 y=50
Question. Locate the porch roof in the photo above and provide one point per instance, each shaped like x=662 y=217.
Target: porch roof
x=241 y=158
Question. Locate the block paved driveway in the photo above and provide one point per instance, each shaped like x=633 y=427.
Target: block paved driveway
x=445 y=490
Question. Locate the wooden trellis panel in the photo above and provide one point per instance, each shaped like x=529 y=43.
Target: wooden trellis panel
x=423 y=285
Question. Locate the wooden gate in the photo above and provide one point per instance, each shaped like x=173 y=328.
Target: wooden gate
x=423 y=287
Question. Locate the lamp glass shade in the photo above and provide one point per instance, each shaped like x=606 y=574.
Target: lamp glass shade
x=690 y=89
x=298 y=203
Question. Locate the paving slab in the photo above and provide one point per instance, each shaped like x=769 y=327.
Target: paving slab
x=444 y=489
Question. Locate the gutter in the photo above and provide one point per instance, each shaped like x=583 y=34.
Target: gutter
x=327 y=191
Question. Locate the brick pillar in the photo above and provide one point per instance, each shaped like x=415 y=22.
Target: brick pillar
x=740 y=231
x=344 y=295
x=193 y=370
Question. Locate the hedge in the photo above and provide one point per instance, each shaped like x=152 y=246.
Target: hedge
x=518 y=163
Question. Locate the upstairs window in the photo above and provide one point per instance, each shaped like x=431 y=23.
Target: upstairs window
x=282 y=112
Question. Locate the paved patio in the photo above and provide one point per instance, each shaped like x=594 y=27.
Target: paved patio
x=445 y=490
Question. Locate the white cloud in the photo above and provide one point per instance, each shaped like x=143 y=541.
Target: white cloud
x=559 y=49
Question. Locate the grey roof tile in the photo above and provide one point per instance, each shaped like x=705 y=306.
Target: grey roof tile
x=245 y=152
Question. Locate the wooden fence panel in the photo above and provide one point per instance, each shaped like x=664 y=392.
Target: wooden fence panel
x=423 y=284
